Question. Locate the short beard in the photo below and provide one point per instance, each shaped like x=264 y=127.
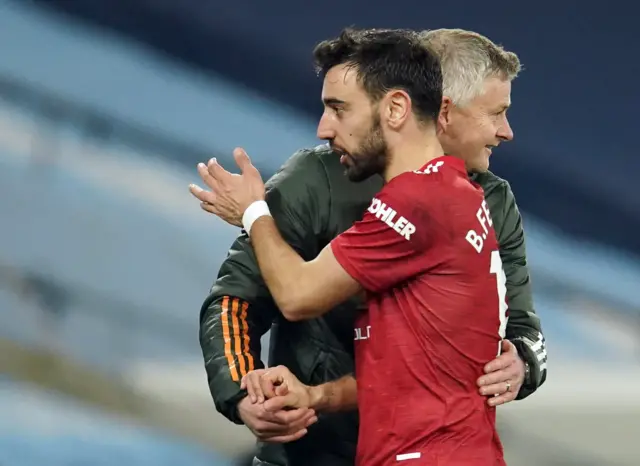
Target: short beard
x=371 y=157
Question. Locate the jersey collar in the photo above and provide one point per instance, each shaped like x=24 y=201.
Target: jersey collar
x=453 y=162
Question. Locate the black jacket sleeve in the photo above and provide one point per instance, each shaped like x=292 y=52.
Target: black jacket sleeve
x=523 y=326
x=239 y=309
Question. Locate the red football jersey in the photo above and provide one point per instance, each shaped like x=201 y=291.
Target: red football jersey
x=427 y=255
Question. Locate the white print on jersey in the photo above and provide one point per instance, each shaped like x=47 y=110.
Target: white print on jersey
x=362 y=333
x=431 y=168
x=409 y=456
x=484 y=217
x=387 y=214
x=501 y=282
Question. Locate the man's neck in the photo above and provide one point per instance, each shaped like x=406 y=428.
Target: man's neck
x=471 y=174
x=412 y=156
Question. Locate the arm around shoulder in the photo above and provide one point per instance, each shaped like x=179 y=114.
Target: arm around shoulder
x=301 y=277
x=302 y=289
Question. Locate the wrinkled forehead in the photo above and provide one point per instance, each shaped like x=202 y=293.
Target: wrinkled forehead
x=341 y=82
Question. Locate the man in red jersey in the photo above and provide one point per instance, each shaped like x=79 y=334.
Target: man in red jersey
x=425 y=253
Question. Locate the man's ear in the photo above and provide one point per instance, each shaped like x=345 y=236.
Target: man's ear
x=444 y=118
x=397 y=106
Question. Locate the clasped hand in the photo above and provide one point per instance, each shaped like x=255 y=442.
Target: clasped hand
x=276 y=408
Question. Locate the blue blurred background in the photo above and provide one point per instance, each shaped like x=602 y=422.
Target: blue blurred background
x=107 y=105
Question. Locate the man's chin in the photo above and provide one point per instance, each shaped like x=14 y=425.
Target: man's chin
x=478 y=170
x=479 y=165
x=355 y=175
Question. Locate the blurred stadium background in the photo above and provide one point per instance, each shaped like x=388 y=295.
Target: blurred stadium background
x=107 y=105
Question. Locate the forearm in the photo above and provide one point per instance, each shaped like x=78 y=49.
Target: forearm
x=302 y=290
x=283 y=270
x=339 y=395
x=230 y=343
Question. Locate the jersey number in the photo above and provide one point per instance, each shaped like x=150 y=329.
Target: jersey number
x=501 y=282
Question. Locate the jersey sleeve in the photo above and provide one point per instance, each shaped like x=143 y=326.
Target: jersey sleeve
x=393 y=242
x=239 y=308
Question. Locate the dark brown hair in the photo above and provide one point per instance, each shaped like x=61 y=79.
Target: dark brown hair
x=387 y=59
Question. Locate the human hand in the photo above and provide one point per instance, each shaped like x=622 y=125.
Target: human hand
x=279 y=426
x=277 y=387
x=503 y=376
x=230 y=193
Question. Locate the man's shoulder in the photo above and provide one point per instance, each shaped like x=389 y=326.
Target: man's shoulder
x=316 y=170
x=491 y=183
x=413 y=195
x=310 y=166
x=311 y=156
x=500 y=197
x=304 y=166
x=432 y=185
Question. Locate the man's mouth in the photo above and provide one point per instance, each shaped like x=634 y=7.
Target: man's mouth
x=344 y=155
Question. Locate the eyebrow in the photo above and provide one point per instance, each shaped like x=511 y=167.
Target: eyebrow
x=332 y=101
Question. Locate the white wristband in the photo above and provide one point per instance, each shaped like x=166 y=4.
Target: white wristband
x=254 y=212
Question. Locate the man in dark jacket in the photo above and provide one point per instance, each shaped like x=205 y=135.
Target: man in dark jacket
x=312 y=202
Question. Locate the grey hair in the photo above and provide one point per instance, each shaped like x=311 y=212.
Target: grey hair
x=468 y=59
